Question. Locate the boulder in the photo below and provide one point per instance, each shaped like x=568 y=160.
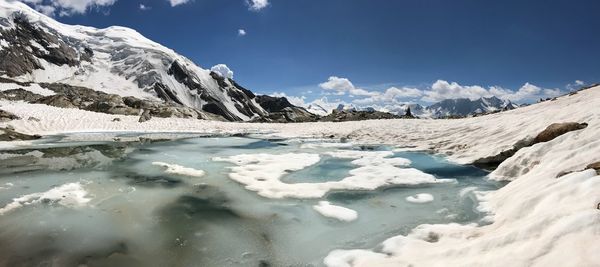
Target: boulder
x=558 y=129
x=145 y=116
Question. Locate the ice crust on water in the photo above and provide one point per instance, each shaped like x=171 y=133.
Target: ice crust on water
x=420 y=198
x=337 y=212
x=179 y=170
x=69 y=195
x=263 y=172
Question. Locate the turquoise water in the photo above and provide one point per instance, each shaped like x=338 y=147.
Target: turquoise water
x=138 y=215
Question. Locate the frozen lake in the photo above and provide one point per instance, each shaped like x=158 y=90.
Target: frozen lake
x=218 y=201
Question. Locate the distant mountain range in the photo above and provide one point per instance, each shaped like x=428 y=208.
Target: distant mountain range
x=460 y=107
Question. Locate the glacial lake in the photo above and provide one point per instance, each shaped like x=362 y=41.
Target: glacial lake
x=72 y=203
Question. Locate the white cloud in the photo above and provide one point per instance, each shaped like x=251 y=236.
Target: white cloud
x=579 y=82
x=178 y=2
x=391 y=96
x=144 y=7
x=241 y=32
x=256 y=5
x=222 y=70
x=342 y=86
x=441 y=90
x=67 y=7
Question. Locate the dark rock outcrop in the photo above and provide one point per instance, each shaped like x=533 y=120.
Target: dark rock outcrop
x=60 y=101
x=273 y=104
x=353 y=115
x=595 y=166
x=9 y=134
x=281 y=110
x=7 y=116
x=493 y=161
x=19 y=94
x=551 y=132
x=27 y=44
x=558 y=129
x=145 y=116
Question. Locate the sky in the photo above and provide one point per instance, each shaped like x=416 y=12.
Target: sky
x=370 y=52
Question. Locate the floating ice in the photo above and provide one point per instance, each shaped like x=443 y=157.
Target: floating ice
x=69 y=195
x=262 y=173
x=420 y=198
x=179 y=170
x=337 y=212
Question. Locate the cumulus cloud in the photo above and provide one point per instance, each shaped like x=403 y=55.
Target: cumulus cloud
x=579 y=82
x=342 y=86
x=144 y=7
x=390 y=96
x=222 y=70
x=256 y=5
x=441 y=90
x=241 y=32
x=67 y=7
x=178 y=2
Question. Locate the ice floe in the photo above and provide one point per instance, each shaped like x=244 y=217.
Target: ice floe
x=420 y=198
x=263 y=172
x=179 y=170
x=69 y=195
x=337 y=212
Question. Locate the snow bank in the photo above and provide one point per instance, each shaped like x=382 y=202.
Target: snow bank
x=69 y=195
x=179 y=170
x=420 y=198
x=263 y=172
x=337 y=212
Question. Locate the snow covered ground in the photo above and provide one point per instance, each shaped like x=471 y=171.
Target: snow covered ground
x=537 y=219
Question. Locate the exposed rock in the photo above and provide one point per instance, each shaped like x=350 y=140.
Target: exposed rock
x=353 y=115
x=28 y=43
x=9 y=134
x=60 y=101
x=281 y=110
x=551 y=132
x=145 y=116
x=408 y=113
x=558 y=129
x=116 y=119
x=273 y=104
x=19 y=94
x=7 y=116
x=595 y=166
x=493 y=161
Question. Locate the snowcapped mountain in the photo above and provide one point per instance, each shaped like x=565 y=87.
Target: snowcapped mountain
x=37 y=49
x=465 y=106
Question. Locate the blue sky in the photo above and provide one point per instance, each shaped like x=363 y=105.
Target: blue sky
x=333 y=48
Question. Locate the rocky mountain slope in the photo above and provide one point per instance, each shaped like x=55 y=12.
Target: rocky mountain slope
x=463 y=106
x=36 y=49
